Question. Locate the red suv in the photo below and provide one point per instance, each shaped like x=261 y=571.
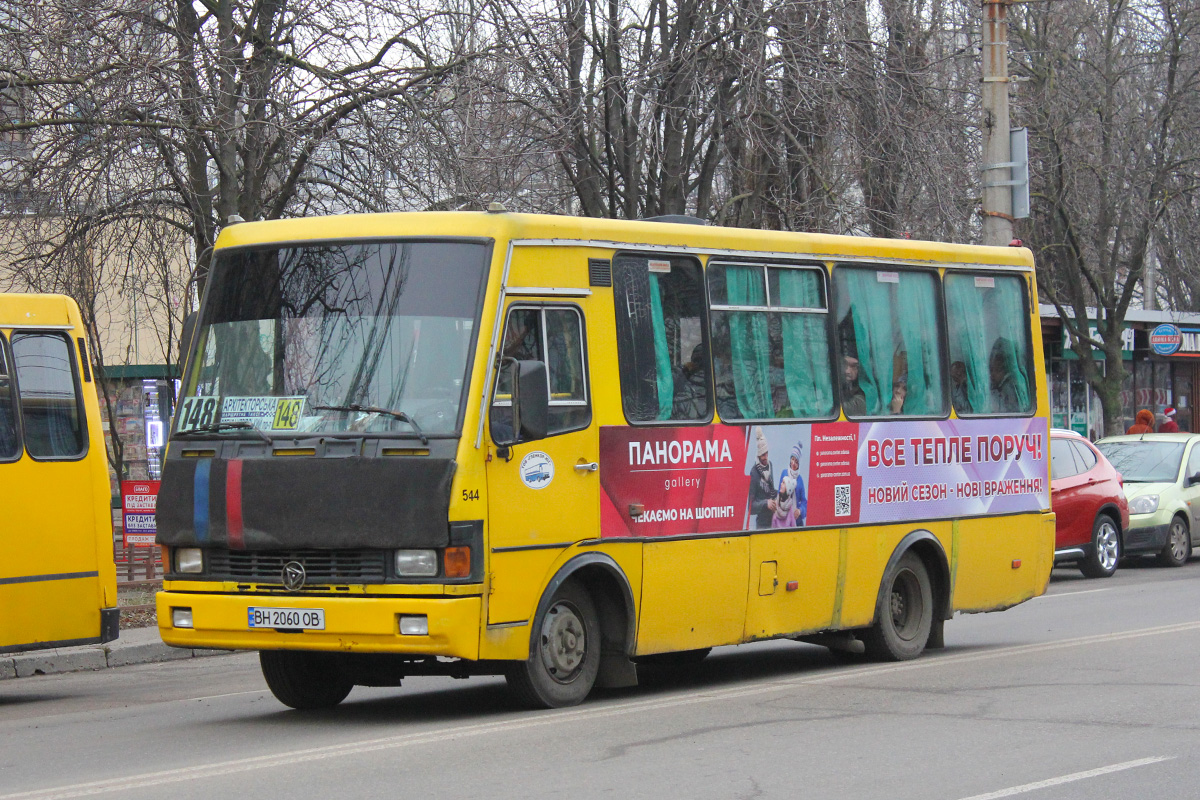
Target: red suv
x=1089 y=502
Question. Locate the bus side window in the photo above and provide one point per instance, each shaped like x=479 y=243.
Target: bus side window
x=10 y=445
x=662 y=352
x=770 y=342
x=554 y=336
x=51 y=412
x=889 y=327
x=990 y=355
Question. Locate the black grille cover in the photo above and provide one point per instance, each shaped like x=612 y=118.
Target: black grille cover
x=292 y=503
x=320 y=566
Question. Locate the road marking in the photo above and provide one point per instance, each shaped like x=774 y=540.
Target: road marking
x=1081 y=591
x=1074 y=776
x=539 y=720
x=215 y=696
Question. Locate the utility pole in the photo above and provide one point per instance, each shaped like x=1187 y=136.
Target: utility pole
x=997 y=157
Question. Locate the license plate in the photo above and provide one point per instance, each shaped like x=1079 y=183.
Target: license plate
x=303 y=619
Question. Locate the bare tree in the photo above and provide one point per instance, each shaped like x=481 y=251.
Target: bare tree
x=1111 y=103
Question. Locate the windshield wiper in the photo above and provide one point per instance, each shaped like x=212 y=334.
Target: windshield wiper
x=221 y=427
x=400 y=415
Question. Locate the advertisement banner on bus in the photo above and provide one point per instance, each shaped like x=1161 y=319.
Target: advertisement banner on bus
x=139 y=500
x=723 y=478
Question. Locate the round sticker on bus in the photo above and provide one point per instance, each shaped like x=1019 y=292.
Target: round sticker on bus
x=537 y=470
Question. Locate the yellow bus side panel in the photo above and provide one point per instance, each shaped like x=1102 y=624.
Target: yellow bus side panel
x=57 y=514
x=693 y=594
x=988 y=577
x=351 y=624
x=511 y=641
x=49 y=611
x=515 y=581
x=807 y=558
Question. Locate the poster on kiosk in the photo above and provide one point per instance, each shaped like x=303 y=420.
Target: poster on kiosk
x=138 y=501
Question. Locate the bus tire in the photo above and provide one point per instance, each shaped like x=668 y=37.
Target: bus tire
x=905 y=617
x=564 y=654
x=304 y=680
x=1178 y=548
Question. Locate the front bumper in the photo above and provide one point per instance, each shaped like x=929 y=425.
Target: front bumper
x=352 y=624
x=1147 y=533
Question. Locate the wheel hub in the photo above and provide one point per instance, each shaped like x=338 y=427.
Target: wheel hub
x=1107 y=546
x=563 y=643
x=1178 y=540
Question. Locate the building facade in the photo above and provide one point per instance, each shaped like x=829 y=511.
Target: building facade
x=1161 y=355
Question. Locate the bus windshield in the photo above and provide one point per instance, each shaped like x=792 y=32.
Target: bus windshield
x=1144 y=461
x=366 y=337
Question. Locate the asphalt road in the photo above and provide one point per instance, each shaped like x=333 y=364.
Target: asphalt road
x=1092 y=691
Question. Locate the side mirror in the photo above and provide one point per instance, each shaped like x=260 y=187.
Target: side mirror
x=1193 y=479
x=527 y=418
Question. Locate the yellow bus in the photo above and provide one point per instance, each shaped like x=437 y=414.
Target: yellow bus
x=58 y=584
x=550 y=447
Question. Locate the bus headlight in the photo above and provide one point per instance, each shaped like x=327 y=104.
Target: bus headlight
x=189 y=559
x=416 y=563
x=1146 y=504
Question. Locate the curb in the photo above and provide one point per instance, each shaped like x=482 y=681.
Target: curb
x=95 y=657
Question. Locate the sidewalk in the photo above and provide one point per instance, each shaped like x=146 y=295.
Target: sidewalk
x=134 y=646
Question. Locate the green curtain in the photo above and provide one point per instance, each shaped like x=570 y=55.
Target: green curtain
x=806 y=371
x=917 y=315
x=749 y=342
x=871 y=312
x=662 y=354
x=968 y=338
x=1012 y=337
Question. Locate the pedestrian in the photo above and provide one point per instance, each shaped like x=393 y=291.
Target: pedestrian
x=1143 y=422
x=1170 y=426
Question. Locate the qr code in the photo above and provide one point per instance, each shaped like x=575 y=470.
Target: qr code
x=841 y=500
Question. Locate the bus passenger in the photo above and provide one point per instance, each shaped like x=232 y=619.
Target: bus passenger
x=762 y=485
x=958 y=388
x=854 y=402
x=899 y=393
x=1002 y=367
x=691 y=386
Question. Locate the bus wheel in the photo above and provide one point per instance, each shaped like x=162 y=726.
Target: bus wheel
x=565 y=656
x=1179 y=544
x=304 y=680
x=906 y=614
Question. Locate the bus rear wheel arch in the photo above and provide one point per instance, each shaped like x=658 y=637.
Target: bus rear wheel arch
x=304 y=680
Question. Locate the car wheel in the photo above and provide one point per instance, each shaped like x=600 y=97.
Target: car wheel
x=304 y=680
x=1101 y=562
x=905 y=615
x=565 y=655
x=1179 y=544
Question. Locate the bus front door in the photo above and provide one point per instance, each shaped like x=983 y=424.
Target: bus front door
x=543 y=496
